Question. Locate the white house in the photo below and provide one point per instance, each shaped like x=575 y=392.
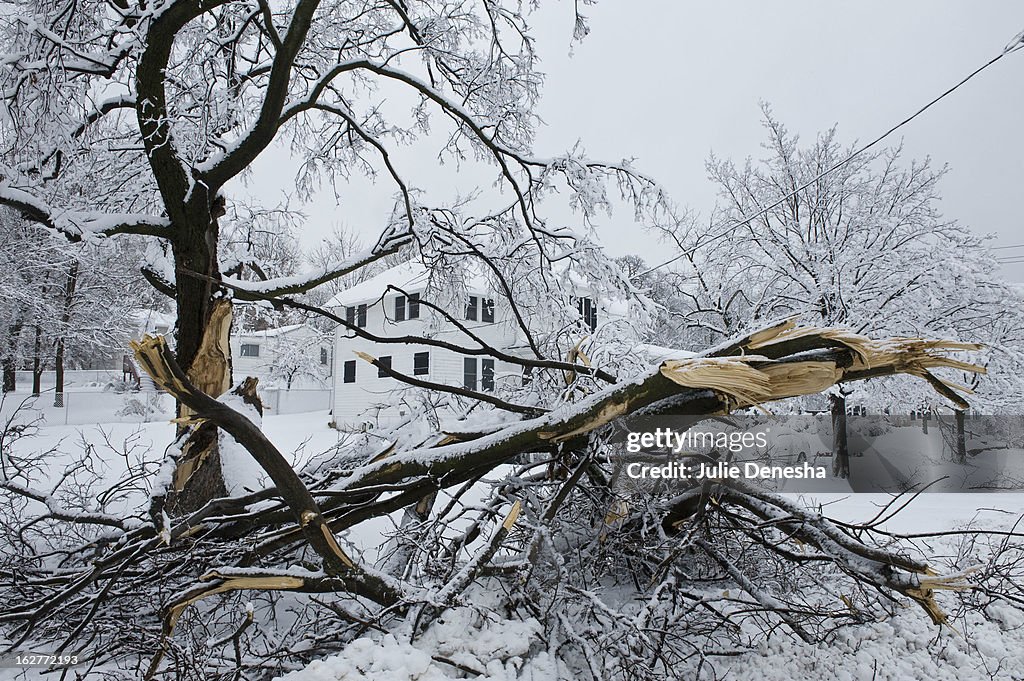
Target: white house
x=361 y=389
x=289 y=357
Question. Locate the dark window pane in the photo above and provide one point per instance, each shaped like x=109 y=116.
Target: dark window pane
x=400 y=308
x=361 y=316
x=469 y=373
x=421 y=364
x=527 y=375
x=471 y=308
x=249 y=350
x=350 y=371
x=414 y=306
x=588 y=310
x=487 y=310
x=324 y=356
x=350 y=315
x=487 y=374
x=383 y=362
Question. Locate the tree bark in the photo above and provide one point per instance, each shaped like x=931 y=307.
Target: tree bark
x=10 y=376
x=10 y=360
x=961 y=437
x=840 y=447
x=58 y=360
x=37 y=366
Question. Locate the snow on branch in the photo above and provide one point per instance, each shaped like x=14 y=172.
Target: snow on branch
x=389 y=243
x=80 y=224
x=789 y=361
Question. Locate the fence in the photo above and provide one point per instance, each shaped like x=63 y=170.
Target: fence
x=87 y=407
x=277 y=401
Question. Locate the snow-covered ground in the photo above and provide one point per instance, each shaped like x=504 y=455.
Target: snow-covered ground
x=907 y=646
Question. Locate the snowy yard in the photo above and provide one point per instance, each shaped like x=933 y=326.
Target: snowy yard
x=906 y=646
x=343 y=315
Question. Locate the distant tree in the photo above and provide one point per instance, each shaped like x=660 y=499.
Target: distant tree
x=864 y=247
x=63 y=301
x=291 y=357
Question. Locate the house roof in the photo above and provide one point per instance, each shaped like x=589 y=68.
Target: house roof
x=409 y=276
x=271 y=333
x=146 y=320
x=413 y=276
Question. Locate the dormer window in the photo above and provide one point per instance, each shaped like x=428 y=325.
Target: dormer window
x=480 y=308
x=588 y=310
x=407 y=307
x=355 y=315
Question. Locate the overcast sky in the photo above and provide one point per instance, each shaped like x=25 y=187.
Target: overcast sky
x=667 y=82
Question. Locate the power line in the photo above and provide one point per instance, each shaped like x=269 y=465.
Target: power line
x=1015 y=44
x=1000 y=248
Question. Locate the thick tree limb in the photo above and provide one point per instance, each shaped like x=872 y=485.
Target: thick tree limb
x=270 y=289
x=76 y=225
x=158 y=361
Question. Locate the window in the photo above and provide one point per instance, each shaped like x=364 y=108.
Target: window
x=250 y=350
x=324 y=357
x=471 y=308
x=356 y=315
x=421 y=364
x=349 y=373
x=414 y=306
x=399 y=308
x=383 y=363
x=588 y=310
x=527 y=375
x=487 y=310
x=487 y=374
x=469 y=373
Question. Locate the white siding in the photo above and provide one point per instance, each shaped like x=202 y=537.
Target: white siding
x=267 y=342
x=356 y=402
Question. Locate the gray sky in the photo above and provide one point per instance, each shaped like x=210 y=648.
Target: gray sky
x=665 y=83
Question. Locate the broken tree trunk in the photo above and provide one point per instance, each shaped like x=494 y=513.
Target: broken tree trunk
x=774 y=364
x=198 y=477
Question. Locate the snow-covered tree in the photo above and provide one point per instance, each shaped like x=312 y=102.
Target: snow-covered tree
x=292 y=357
x=137 y=119
x=864 y=247
x=63 y=303
x=134 y=118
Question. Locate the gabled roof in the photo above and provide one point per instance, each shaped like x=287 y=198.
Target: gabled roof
x=271 y=333
x=411 y=276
